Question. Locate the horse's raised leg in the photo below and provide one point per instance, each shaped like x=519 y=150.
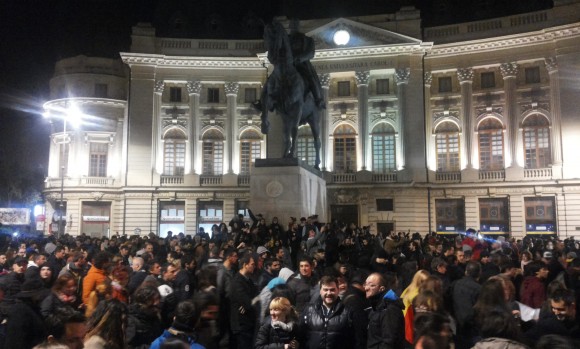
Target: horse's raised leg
x=314 y=122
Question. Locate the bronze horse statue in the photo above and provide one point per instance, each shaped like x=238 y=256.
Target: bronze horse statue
x=287 y=92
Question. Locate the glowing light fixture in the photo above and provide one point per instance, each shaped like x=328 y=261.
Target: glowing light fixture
x=341 y=37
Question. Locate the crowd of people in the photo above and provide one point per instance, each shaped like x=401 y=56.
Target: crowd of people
x=298 y=284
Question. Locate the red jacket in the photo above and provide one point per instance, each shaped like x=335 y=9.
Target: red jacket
x=533 y=292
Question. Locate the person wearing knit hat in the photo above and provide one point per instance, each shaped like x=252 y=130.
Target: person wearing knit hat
x=183 y=326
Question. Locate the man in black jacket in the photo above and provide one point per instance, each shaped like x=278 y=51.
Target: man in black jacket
x=386 y=327
x=464 y=295
x=242 y=312
x=328 y=323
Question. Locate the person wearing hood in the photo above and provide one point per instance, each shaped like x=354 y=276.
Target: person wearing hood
x=386 y=327
x=25 y=325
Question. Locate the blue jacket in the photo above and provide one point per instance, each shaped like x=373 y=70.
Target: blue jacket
x=166 y=334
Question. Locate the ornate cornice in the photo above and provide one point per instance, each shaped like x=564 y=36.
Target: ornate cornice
x=212 y=122
x=538 y=106
x=159 y=86
x=465 y=75
x=362 y=77
x=402 y=75
x=231 y=88
x=446 y=114
x=375 y=117
x=484 y=110
x=428 y=78
x=161 y=60
x=324 y=79
x=170 y=121
x=509 y=70
x=193 y=87
x=344 y=117
x=372 y=51
x=546 y=36
x=551 y=64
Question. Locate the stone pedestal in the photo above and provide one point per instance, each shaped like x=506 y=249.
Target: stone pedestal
x=287 y=188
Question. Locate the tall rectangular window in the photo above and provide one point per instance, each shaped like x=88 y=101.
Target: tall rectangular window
x=540 y=215
x=213 y=95
x=382 y=86
x=494 y=216
x=213 y=158
x=250 y=150
x=491 y=150
x=537 y=147
x=532 y=75
x=175 y=94
x=345 y=154
x=250 y=95
x=444 y=84
x=101 y=90
x=447 y=152
x=488 y=80
x=98 y=159
x=343 y=88
x=384 y=158
x=174 y=157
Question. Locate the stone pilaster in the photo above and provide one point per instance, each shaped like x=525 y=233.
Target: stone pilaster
x=157 y=142
x=465 y=77
x=430 y=153
x=552 y=67
x=231 y=90
x=509 y=72
x=402 y=76
x=194 y=91
x=362 y=82
x=324 y=122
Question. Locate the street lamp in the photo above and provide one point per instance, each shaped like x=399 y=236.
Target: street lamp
x=71 y=116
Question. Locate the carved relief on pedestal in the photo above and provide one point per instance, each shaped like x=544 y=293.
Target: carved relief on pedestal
x=324 y=80
x=274 y=189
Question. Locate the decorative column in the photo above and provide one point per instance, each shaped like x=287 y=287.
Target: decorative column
x=402 y=76
x=362 y=83
x=552 y=67
x=231 y=89
x=465 y=77
x=509 y=72
x=325 y=120
x=194 y=91
x=427 y=80
x=157 y=142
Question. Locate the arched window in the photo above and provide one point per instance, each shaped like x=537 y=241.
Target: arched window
x=384 y=155
x=174 y=153
x=447 y=144
x=213 y=153
x=490 y=133
x=250 y=150
x=344 y=149
x=305 y=146
x=537 y=147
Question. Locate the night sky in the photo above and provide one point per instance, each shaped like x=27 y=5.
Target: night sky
x=34 y=34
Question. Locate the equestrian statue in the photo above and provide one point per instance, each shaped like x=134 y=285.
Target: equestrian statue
x=292 y=89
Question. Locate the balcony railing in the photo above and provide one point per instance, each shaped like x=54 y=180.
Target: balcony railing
x=343 y=177
x=171 y=180
x=448 y=177
x=487 y=175
x=210 y=180
x=103 y=181
x=244 y=180
x=390 y=177
x=538 y=173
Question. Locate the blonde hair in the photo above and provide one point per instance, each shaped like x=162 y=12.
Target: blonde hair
x=283 y=304
x=413 y=289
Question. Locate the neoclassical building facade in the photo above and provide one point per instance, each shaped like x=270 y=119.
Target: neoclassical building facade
x=425 y=129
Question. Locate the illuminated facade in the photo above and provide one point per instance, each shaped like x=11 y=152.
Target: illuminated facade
x=442 y=128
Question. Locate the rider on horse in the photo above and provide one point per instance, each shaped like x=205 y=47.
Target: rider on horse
x=302 y=51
